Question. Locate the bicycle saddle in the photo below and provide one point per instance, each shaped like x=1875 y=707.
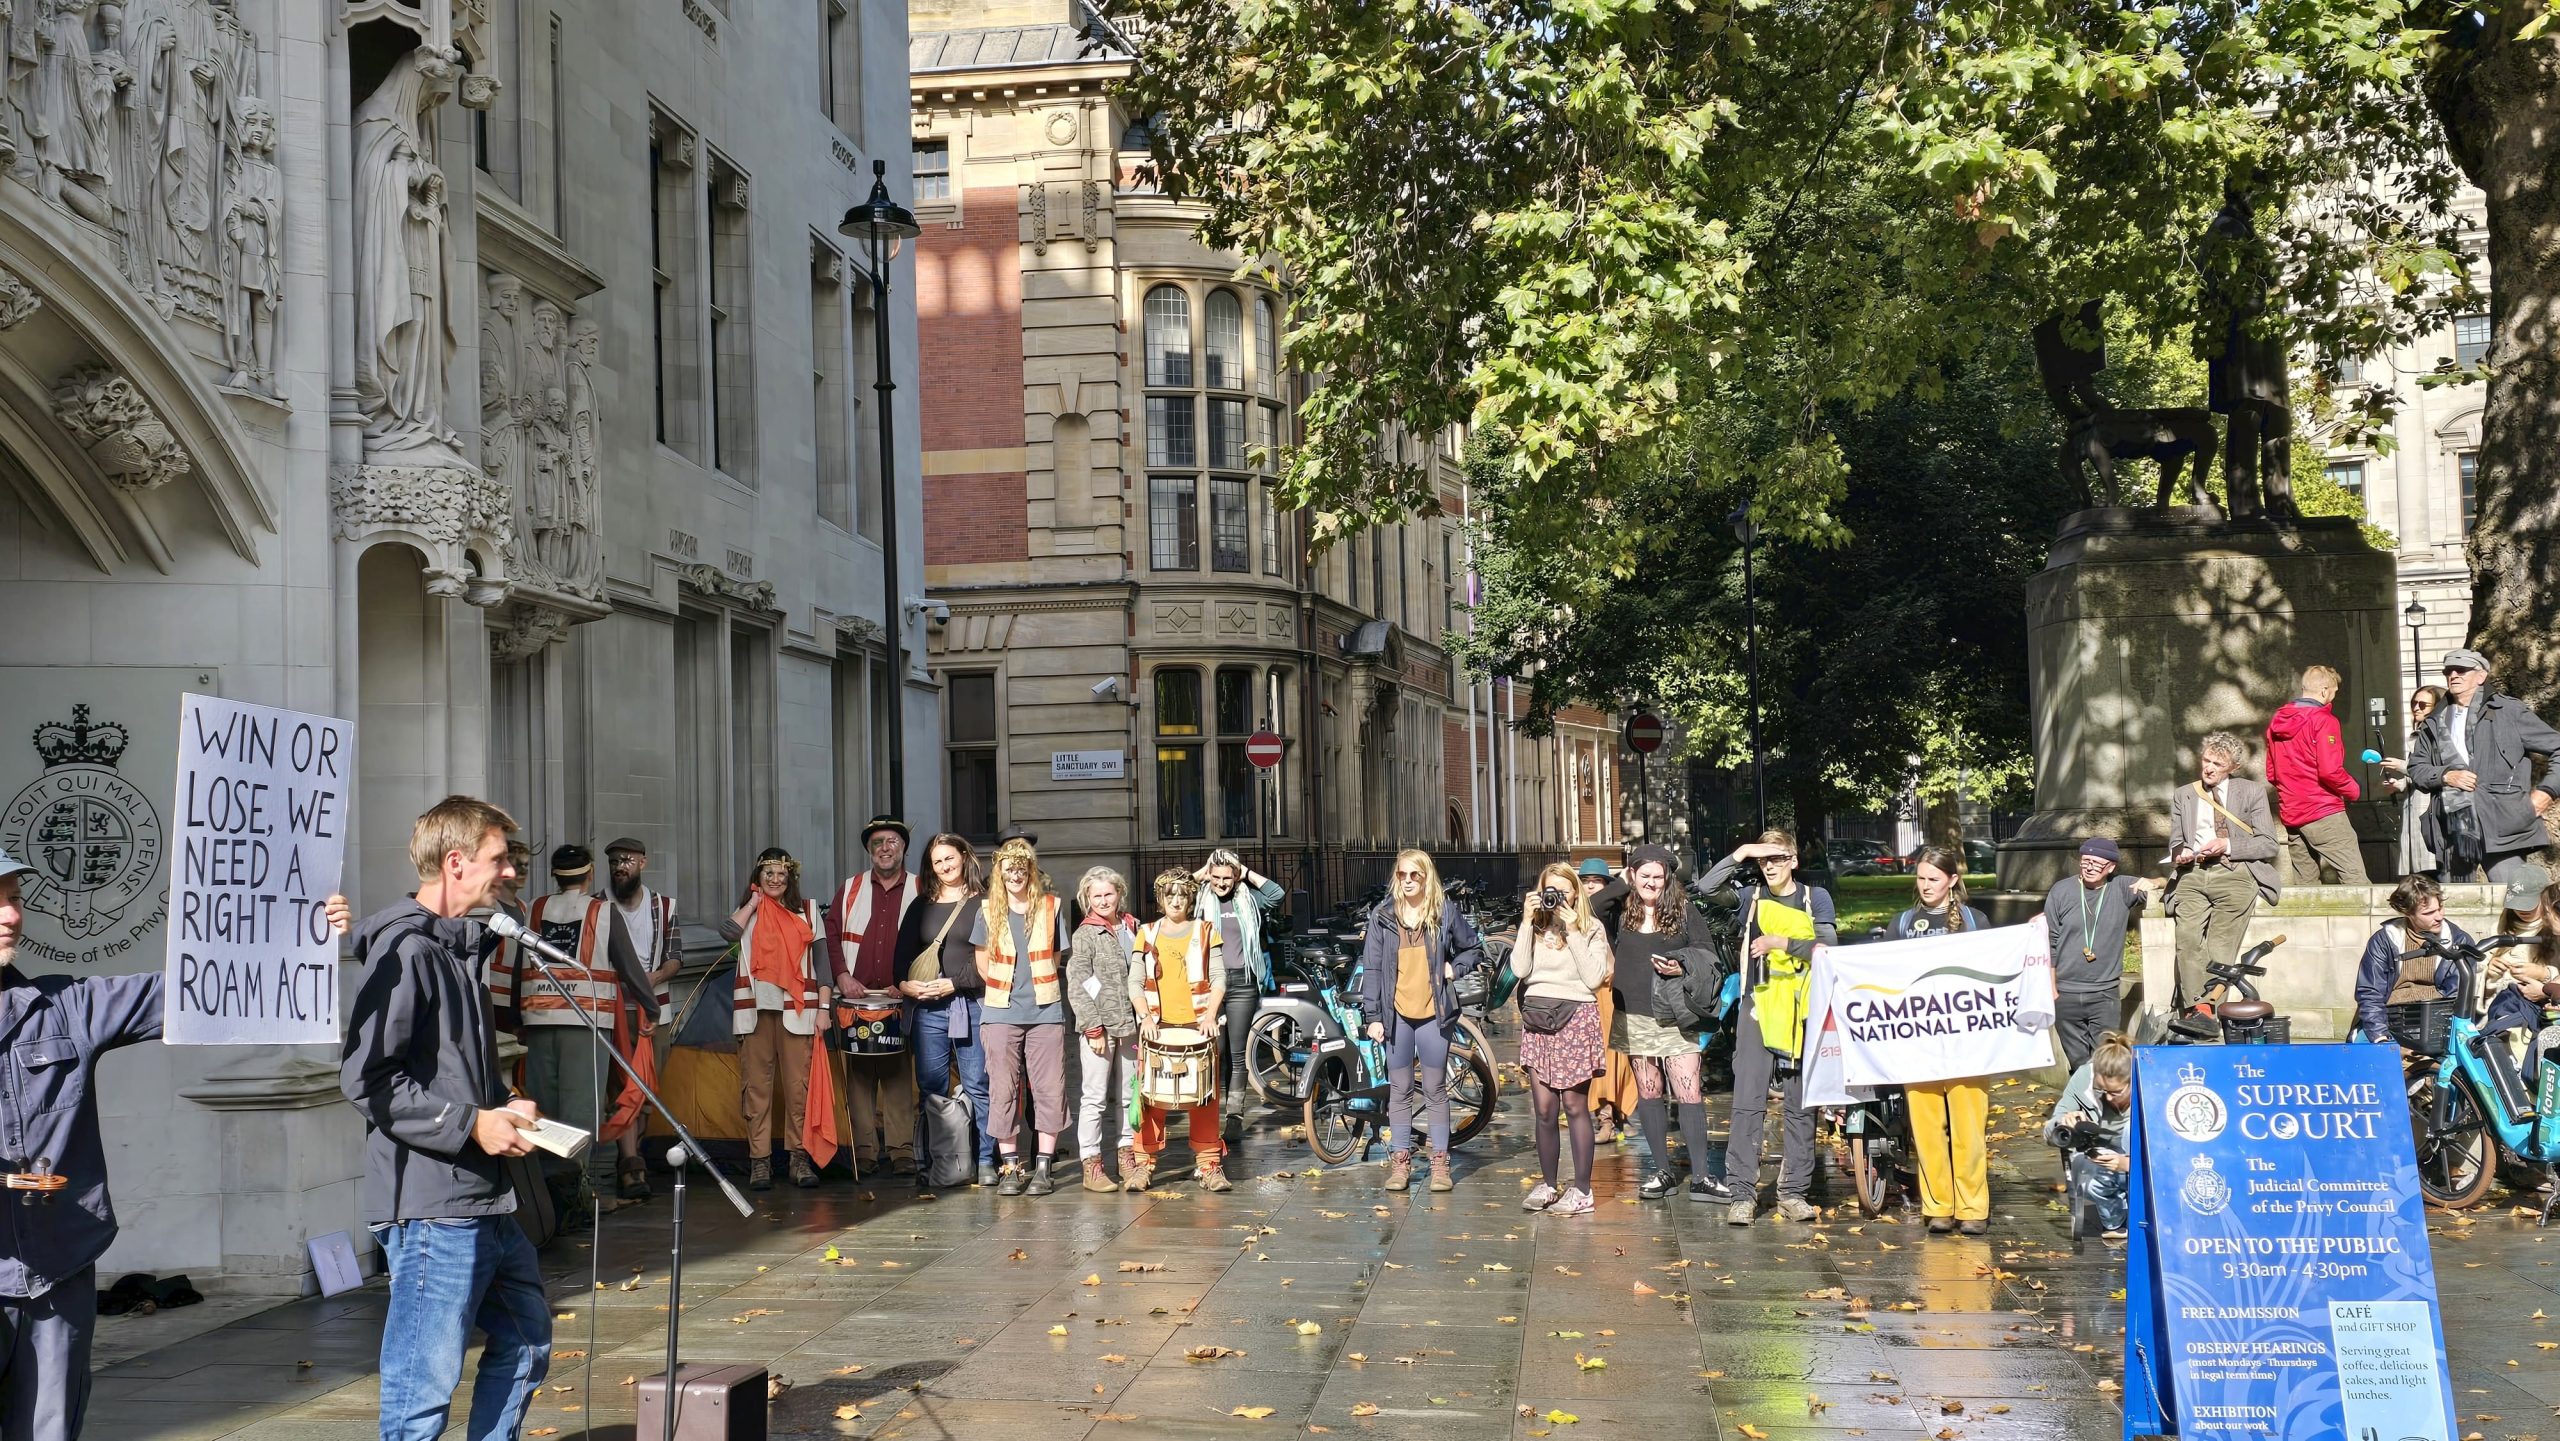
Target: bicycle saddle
x=2244 y=1012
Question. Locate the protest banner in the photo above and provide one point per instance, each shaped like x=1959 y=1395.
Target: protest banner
x=2278 y=1281
x=1936 y=1008
x=258 y=832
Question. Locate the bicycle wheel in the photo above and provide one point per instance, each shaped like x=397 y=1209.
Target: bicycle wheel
x=1870 y=1176
x=1333 y=1131
x=1473 y=1039
x=2457 y=1160
x=1268 y=1068
x=1472 y=1089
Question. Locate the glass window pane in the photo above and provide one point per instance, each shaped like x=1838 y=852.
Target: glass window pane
x=2348 y=474
x=1270 y=528
x=2468 y=463
x=1226 y=433
x=973 y=793
x=1266 y=347
x=1266 y=447
x=1177 y=702
x=933 y=169
x=1235 y=701
x=2470 y=339
x=1239 y=789
x=971 y=707
x=1168 y=336
x=1173 y=523
x=1226 y=340
x=1172 y=437
x=1179 y=802
x=1230 y=546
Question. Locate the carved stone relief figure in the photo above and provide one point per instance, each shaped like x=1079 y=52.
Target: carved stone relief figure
x=8 y=73
x=253 y=229
x=69 y=134
x=126 y=438
x=584 y=567
x=404 y=321
x=501 y=441
x=17 y=302
x=542 y=407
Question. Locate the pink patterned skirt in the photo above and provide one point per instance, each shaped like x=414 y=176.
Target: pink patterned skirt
x=1571 y=1057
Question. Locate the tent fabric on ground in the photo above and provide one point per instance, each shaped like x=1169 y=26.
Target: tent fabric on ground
x=699 y=1080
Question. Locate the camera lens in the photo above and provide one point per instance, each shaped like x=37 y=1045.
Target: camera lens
x=1551 y=898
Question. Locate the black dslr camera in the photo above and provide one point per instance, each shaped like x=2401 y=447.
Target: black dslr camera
x=2088 y=1138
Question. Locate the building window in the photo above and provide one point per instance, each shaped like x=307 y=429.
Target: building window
x=2467 y=464
x=864 y=373
x=2347 y=474
x=496 y=146
x=1226 y=434
x=732 y=282
x=828 y=401
x=1225 y=348
x=1238 y=787
x=1448 y=581
x=2346 y=372
x=559 y=143
x=1173 y=523
x=1230 y=536
x=1168 y=336
x=1266 y=347
x=1180 y=803
x=675 y=238
x=1270 y=527
x=2470 y=339
x=933 y=169
x=1172 y=434
x=970 y=708
x=840 y=65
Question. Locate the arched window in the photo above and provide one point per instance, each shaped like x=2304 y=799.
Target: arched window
x=1168 y=336
x=1266 y=347
x=1226 y=341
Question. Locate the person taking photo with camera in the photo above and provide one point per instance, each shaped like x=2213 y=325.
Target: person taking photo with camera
x=1566 y=960
x=2090 y=1119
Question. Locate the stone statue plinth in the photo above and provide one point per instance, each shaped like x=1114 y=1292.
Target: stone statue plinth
x=2148 y=629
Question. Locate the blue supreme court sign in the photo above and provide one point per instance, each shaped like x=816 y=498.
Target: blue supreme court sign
x=2279 y=1283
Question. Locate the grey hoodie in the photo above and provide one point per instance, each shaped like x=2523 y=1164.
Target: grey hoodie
x=420 y=1063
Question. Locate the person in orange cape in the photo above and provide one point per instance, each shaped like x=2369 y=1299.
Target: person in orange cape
x=779 y=1007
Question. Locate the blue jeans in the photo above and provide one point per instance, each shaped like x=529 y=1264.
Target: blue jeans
x=448 y=1277
x=2110 y=1191
x=1417 y=1050
x=937 y=1055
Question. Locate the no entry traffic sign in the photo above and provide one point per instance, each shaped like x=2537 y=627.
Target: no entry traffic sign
x=1644 y=732
x=1263 y=749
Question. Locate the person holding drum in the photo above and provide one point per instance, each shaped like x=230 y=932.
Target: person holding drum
x=1567 y=962
x=1098 y=992
x=1176 y=986
x=880 y=1084
x=1022 y=943
x=939 y=977
x=1418 y=944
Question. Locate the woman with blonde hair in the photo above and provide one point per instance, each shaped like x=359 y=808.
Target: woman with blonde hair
x=1563 y=962
x=1022 y=944
x=1179 y=979
x=1098 y=992
x=1418 y=943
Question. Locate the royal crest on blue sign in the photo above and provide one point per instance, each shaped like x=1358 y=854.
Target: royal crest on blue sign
x=2279 y=1283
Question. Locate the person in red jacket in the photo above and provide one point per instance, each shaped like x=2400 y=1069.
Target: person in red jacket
x=2307 y=763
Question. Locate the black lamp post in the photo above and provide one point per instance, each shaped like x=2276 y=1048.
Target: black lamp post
x=2416 y=615
x=884 y=226
x=1749 y=535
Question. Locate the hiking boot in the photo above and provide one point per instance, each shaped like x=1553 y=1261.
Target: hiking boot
x=1137 y=1173
x=1797 y=1208
x=1011 y=1178
x=1041 y=1182
x=1540 y=1197
x=632 y=1182
x=803 y=1175
x=1441 y=1180
x=1399 y=1170
x=1128 y=1158
x=1211 y=1172
x=760 y=1173
x=1742 y=1210
x=1094 y=1177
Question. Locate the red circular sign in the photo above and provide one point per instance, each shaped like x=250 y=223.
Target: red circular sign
x=1644 y=732
x=1263 y=749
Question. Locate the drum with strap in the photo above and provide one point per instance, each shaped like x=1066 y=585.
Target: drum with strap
x=872 y=1030
x=1177 y=1069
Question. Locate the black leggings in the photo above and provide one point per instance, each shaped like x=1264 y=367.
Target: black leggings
x=1244 y=1001
x=1576 y=1107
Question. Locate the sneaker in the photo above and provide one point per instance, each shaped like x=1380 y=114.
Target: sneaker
x=1741 y=1212
x=1399 y=1170
x=1942 y=1225
x=1974 y=1228
x=1658 y=1185
x=1576 y=1202
x=1540 y=1198
x=1011 y=1179
x=2114 y=1233
x=1211 y=1173
x=803 y=1175
x=1710 y=1188
x=760 y=1173
x=1797 y=1208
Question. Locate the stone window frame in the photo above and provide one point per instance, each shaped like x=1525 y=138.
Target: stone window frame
x=835 y=460
x=1222 y=439
x=987 y=750
x=840 y=63
x=676 y=280
x=1180 y=771
x=729 y=374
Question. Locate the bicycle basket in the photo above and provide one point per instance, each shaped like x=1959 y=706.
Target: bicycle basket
x=2421 y=1026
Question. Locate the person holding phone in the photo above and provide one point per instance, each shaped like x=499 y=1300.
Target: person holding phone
x=1660 y=935
x=2417 y=807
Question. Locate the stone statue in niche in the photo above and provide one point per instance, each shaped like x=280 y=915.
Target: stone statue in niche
x=252 y=229
x=404 y=323
x=583 y=562
x=542 y=407
x=501 y=453
x=69 y=134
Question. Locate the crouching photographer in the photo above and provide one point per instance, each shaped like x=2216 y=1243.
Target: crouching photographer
x=2090 y=1121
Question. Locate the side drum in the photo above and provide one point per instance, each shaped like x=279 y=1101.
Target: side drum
x=1178 y=1069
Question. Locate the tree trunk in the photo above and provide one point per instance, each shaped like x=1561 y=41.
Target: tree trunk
x=2500 y=107
x=1942 y=824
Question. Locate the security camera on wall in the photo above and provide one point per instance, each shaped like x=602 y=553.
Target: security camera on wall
x=1106 y=688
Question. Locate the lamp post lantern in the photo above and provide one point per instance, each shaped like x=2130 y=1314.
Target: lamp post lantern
x=884 y=226
x=1749 y=534
x=2416 y=616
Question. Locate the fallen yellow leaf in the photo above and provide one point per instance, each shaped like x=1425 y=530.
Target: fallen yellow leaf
x=1310 y=1328
x=1561 y=1418
x=1251 y=1413
x=1364 y=1408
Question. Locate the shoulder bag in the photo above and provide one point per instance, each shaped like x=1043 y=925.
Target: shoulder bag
x=927 y=966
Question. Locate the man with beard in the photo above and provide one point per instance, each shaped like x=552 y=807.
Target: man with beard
x=649 y=920
x=880 y=1091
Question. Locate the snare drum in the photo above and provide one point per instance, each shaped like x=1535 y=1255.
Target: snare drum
x=1178 y=1069
x=873 y=1030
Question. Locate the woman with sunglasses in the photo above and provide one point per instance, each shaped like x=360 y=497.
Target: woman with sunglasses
x=1783 y=919
x=2417 y=807
x=1417 y=945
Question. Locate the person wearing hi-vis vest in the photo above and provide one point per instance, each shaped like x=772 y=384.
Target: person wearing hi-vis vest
x=778 y=1009
x=649 y=919
x=1783 y=919
x=880 y=1091
x=1022 y=943
x=1177 y=980
x=565 y=1073
x=2222 y=839
x=56 y=1161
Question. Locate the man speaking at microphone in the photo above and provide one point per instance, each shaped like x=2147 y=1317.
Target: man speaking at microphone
x=421 y=1066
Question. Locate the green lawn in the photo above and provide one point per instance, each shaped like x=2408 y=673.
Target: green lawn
x=1865 y=902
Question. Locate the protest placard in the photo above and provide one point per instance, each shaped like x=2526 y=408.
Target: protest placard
x=258 y=832
x=1936 y=1008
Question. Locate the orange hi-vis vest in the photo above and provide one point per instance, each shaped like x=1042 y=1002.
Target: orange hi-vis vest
x=1041 y=925
x=517 y=984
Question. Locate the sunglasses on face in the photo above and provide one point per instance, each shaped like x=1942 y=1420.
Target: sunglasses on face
x=1408 y=875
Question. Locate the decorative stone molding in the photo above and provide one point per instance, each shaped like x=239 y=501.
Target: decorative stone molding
x=845 y=156
x=459 y=517
x=679 y=543
x=1039 y=217
x=479 y=92
x=731 y=191
x=125 y=437
x=826 y=263
x=1092 y=216
x=712 y=581
x=854 y=630
x=702 y=20
x=524 y=628
x=17 y=302
x=740 y=564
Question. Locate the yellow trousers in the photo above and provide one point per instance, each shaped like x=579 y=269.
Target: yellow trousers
x=1947 y=1122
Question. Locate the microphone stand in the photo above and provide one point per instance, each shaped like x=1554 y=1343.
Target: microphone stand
x=543 y=954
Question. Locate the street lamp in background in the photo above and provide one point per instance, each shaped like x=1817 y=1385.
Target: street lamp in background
x=884 y=226
x=2416 y=616
x=1749 y=535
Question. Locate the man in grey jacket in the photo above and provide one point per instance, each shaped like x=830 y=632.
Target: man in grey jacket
x=420 y=1065
x=2472 y=755
x=2224 y=842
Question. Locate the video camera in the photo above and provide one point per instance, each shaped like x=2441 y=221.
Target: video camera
x=2087 y=1138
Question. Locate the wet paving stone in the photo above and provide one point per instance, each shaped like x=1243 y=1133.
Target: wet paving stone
x=1452 y=1317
